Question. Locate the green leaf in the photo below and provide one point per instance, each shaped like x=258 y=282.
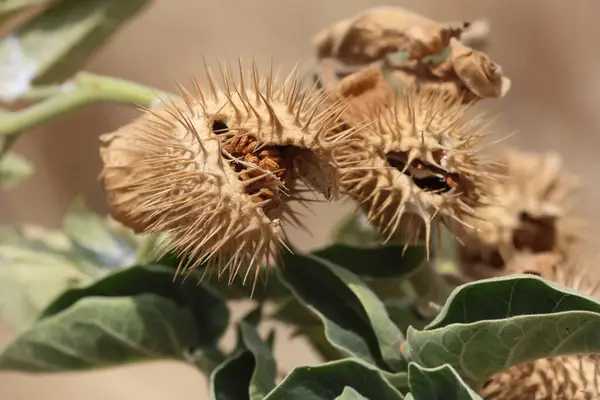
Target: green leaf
x=208 y=309
x=13 y=170
x=32 y=273
x=326 y=381
x=100 y=332
x=379 y=262
x=350 y=394
x=252 y=365
x=231 y=380
x=354 y=230
x=92 y=237
x=355 y=320
x=490 y=325
x=53 y=45
x=440 y=383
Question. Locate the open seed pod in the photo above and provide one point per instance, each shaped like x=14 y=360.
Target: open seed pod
x=416 y=163
x=529 y=212
x=573 y=377
x=217 y=169
x=413 y=50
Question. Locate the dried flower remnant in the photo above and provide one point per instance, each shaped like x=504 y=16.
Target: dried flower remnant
x=530 y=212
x=416 y=160
x=411 y=50
x=216 y=169
x=573 y=377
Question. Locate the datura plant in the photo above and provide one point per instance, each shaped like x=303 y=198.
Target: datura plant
x=458 y=277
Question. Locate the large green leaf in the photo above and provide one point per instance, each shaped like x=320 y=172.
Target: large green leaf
x=327 y=381
x=13 y=170
x=252 y=365
x=487 y=326
x=207 y=308
x=355 y=320
x=99 y=332
x=379 y=262
x=440 y=383
x=53 y=45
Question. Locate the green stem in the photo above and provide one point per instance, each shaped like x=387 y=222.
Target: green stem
x=86 y=89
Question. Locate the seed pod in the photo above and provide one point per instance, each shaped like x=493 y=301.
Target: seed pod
x=529 y=211
x=416 y=160
x=573 y=377
x=412 y=50
x=216 y=169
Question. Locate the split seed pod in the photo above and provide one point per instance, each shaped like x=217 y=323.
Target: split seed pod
x=216 y=169
x=529 y=212
x=413 y=50
x=573 y=377
x=415 y=161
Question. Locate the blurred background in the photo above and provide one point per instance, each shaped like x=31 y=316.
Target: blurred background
x=544 y=47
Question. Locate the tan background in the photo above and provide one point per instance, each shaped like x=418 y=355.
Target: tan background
x=547 y=47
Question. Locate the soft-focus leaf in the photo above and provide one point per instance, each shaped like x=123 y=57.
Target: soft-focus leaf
x=327 y=381
x=355 y=319
x=379 y=262
x=440 y=383
x=208 y=309
x=92 y=237
x=54 y=44
x=250 y=372
x=487 y=326
x=354 y=230
x=13 y=170
x=99 y=332
x=350 y=394
x=32 y=274
x=9 y=6
x=231 y=379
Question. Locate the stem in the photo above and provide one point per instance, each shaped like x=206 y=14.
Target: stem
x=83 y=90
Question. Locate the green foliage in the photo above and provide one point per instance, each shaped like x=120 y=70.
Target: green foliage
x=13 y=170
x=53 y=45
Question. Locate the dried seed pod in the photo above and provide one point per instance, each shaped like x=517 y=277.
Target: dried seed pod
x=216 y=169
x=412 y=50
x=573 y=377
x=529 y=212
x=416 y=160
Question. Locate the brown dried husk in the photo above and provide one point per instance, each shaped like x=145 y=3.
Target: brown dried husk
x=379 y=35
x=430 y=130
x=529 y=211
x=221 y=194
x=573 y=377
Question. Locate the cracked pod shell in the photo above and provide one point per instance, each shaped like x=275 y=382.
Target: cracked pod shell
x=217 y=169
x=529 y=212
x=416 y=162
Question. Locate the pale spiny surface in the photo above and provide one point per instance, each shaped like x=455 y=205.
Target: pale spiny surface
x=530 y=212
x=416 y=163
x=217 y=168
x=574 y=377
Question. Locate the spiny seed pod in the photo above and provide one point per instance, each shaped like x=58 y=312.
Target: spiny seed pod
x=530 y=212
x=216 y=169
x=573 y=377
x=416 y=160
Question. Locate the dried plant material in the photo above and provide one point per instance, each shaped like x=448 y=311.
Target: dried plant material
x=529 y=212
x=412 y=50
x=416 y=161
x=574 y=377
x=217 y=169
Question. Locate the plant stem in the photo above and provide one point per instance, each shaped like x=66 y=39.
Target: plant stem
x=83 y=90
